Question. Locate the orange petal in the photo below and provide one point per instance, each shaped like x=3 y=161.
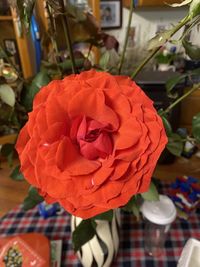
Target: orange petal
x=69 y=158
x=91 y=103
x=128 y=134
x=22 y=139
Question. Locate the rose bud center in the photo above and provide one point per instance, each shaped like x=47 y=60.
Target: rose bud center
x=93 y=137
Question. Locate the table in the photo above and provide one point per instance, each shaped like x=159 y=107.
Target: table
x=131 y=252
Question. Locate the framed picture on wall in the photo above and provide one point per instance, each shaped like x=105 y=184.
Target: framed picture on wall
x=111 y=14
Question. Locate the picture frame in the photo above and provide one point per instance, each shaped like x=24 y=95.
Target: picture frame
x=111 y=14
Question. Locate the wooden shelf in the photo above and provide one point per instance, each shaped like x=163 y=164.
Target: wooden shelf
x=6 y=18
x=8 y=139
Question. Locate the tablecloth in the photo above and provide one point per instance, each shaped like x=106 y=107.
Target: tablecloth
x=131 y=252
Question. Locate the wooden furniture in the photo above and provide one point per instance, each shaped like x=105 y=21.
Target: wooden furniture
x=190 y=107
x=11 y=29
x=150 y=3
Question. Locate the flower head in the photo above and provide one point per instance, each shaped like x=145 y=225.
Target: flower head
x=91 y=142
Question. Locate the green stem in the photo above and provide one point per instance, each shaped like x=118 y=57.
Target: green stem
x=194 y=88
x=155 y=50
x=126 y=37
x=67 y=36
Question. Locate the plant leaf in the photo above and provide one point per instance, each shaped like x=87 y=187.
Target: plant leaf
x=171 y=83
x=159 y=40
x=167 y=125
x=41 y=79
x=184 y=3
x=196 y=127
x=33 y=199
x=104 y=60
x=7 y=95
x=25 y=9
x=7 y=151
x=133 y=207
x=193 y=51
x=83 y=233
x=16 y=174
x=194 y=8
x=107 y=216
x=151 y=194
x=175 y=144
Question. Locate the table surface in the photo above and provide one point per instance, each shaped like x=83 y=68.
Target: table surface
x=131 y=252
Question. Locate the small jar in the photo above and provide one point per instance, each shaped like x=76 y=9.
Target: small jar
x=158 y=216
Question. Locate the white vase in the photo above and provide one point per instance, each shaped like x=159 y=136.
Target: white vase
x=101 y=250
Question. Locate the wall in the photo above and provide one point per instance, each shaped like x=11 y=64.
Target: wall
x=146 y=20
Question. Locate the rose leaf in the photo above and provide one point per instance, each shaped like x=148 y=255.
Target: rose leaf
x=193 y=51
x=84 y=232
x=7 y=95
x=151 y=194
x=132 y=206
x=196 y=127
x=160 y=39
x=194 y=8
x=33 y=199
x=106 y=216
x=175 y=144
x=16 y=174
x=41 y=79
x=167 y=125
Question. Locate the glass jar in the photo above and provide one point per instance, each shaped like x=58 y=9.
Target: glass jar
x=158 y=216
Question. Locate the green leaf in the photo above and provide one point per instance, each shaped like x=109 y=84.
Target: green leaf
x=7 y=151
x=171 y=83
x=184 y=3
x=33 y=199
x=104 y=60
x=175 y=144
x=133 y=207
x=16 y=174
x=41 y=79
x=84 y=232
x=193 y=51
x=196 y=127
x=167 y=125
x=159 y=40
x=107 y=216
x=7 y=95
x=151 y=194
x=25 y=9
x=194 y=8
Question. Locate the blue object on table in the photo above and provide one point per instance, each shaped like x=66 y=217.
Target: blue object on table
x=36 y=40
x=47 y=210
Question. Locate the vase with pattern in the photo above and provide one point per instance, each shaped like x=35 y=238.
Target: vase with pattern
x=101 y=250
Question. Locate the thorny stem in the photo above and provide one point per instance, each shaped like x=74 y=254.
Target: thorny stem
x=127 y=35
x=182 y=23
x=67 y=36
x=194 y=88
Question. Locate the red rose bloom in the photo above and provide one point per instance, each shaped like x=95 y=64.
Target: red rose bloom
x=91 y=142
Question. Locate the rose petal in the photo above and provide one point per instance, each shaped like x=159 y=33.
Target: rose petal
x=95 y=107
x=68 y=157
x=128 y=134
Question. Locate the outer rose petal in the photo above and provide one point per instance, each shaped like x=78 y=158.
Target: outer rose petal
x=49 y=144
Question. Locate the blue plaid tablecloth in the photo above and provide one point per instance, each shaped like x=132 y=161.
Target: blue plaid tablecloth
x=131 y=252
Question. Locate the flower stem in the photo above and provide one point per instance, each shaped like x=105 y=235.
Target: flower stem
x=67 y=36
x=194 y=88
x=182 y=23
x=126 y=37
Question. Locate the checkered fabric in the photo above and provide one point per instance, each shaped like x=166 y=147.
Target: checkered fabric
x=131 y=252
